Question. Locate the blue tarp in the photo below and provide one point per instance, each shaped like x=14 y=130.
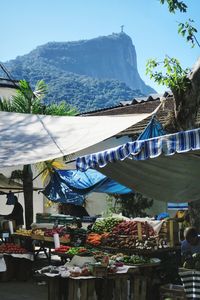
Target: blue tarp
x=70 y=186
x=153 y=129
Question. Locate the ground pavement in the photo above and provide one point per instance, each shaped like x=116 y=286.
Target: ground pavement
x=29 y=290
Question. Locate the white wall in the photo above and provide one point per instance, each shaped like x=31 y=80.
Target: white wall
x=37 y=198
x=6 y=92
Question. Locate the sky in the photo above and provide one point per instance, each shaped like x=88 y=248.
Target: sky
x=153 y=30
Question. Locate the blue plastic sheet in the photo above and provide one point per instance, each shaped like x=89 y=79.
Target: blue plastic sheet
x=71 y=186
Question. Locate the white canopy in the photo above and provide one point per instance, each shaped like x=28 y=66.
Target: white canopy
x=27 y=139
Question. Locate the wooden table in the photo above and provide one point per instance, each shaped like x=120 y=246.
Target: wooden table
x=133 y=285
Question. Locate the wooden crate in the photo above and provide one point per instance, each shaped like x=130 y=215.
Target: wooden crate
x=170 y=232
x=99 y=271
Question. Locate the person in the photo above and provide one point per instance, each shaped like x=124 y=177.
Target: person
x=183 y=218
x=191 y=243
x=16 y=214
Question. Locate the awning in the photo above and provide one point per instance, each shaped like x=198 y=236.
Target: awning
x=177 y=206
x=27 y=139
x=164 y=168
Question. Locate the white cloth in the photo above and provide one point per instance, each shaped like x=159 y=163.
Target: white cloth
x=25 y=255
x=3 y=267
x=27 y=139
x=155 y=224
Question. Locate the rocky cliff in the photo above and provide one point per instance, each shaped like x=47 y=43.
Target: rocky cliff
x=111 y=59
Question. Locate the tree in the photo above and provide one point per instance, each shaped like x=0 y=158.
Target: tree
x=28 y=101
x=185 y=85
x=134 y=204
x=131 y=205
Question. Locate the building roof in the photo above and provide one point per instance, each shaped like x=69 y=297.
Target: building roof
x=119 y=109
x=137 y=106
x=8 y=83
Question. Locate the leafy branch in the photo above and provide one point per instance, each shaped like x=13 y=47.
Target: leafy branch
x=187 y=30
x=175 y=77
x=174 y=5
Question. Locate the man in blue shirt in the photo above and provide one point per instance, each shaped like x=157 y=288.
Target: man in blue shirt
x=191 y=244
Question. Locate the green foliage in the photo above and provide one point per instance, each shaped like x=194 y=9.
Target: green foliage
x=28 y=101
x=188 y=31
x=174 y=5
x=60 y=109
x=175 y=78
x=5 y=105
x=132 y=205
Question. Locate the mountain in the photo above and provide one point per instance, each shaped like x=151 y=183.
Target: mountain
x=88 y=74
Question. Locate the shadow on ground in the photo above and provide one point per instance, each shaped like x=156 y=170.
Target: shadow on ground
x=29 y=290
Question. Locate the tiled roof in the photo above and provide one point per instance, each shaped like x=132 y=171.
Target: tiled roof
x=119 y=109
x=137 y=106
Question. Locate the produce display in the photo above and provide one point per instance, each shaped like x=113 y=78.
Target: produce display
x=132 y=242
x=25 y=232
x=61 y=231
x=105 y=225
x=10 y=248
x=62 y=249
x=95 y=239
x=122 y=234
x=38 y=232
x=131 y=228
x=135 y=260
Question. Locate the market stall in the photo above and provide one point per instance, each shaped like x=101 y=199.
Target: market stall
x=15 y=263
x=130 y=268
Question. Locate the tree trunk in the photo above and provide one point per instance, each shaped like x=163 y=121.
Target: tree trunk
x=186 y=106
x=194 y=211
x=28 y=194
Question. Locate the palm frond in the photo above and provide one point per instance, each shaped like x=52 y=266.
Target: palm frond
x=25 y=90
x=6 y=105
x=40 y=90
x=20 y=104
x=46 y=168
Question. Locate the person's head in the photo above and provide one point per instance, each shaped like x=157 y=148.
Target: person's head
x=191 y=235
